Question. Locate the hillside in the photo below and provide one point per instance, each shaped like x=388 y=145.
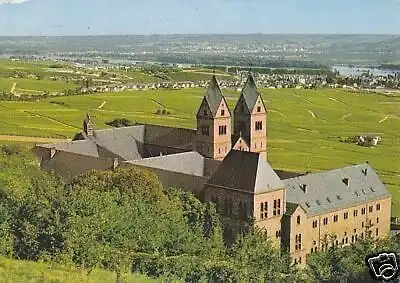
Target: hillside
x=304 y=132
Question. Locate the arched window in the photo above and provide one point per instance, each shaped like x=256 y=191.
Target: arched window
x=298 y=219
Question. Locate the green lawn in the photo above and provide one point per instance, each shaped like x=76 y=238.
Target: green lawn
x=296 y=140
x=12 y=271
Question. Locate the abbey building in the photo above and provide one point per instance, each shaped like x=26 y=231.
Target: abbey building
x=224 y=161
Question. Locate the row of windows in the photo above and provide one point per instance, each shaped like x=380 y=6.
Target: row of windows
x=228 y=208
x=277 y=233
x=264 y=208
x=345 y=216
x=346 y=240
x=205 y=130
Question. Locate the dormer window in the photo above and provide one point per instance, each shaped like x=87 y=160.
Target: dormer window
x=259 y=109
x=222 y=112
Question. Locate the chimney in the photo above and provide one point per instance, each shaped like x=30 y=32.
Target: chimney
x=52 y=152
x=346 y=181
x=115 y=163
x=88 y=126
x=303 y=187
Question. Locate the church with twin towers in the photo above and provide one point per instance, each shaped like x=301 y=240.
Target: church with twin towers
x=219 y=129
x=224 y=161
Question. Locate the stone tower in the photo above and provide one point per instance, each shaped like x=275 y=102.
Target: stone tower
x=250 y=119
x=214 y=124
x=88 y=126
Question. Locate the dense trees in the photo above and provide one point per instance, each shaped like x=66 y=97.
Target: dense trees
x=124 y=221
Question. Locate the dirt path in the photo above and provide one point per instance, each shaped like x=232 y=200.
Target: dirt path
x=312 y=113
x=347 y=116
x=13 y=87
x=101 y=106
x=31 y=139
x=383 y=120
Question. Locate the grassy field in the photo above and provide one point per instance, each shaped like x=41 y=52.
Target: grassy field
x=12 y=271
x=303 y=131
x=33 y=86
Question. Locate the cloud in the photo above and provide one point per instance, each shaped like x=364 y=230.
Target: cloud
x=12 y=1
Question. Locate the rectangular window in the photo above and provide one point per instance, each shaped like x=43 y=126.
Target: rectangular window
x=370 y=208
x=377 y=232
x=325 y=220
x=222 y=130
x=378 y=206
x=277 y=207
x=377 y=220
x=258 y=125
x=363 y=210
x=355 y=212
x=335 y=218
x=259 y=109
x=346 y=215
x=315 y=223
x=222 y=112
x=298 y=242
x=264 y=210
x=205 y=130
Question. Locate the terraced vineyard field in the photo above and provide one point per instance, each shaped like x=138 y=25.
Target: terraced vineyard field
x=303 y=131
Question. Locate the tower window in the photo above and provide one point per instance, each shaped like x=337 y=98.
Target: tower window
x=259 y=109
x=222 y=112
x=222 y=130
x=205 y=130
x=258 y=125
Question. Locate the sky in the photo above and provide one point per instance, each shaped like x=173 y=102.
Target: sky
x=105 y=17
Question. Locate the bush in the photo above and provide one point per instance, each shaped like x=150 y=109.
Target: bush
x=120 y=122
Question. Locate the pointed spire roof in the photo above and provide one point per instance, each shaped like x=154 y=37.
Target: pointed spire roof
x=213 y=95
x=246 y=171
x=250 y=92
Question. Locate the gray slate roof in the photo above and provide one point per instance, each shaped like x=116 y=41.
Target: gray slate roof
x=191 y=163
x=246 y=171
x=81 y=147
x=120 y=141
x=326 y=191
x=128 y=142
x=213 y=96
x=250 y=93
